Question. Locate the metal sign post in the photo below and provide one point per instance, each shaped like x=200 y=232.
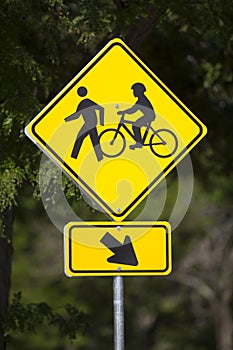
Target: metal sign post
x=118 y=310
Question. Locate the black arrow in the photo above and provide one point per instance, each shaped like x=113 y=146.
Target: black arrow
x=123 y=253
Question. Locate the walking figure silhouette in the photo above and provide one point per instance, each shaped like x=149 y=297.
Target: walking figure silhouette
x=87 y=109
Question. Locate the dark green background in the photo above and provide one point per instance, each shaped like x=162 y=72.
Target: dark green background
x=189 y=45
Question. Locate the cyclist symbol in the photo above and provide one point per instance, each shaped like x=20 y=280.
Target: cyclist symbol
x=143 y=105
x=163 y=142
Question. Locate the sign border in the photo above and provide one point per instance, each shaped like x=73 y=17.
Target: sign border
x=65 y=167
x=86 y=273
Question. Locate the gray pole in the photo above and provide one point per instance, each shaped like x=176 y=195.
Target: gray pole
x=118 y=309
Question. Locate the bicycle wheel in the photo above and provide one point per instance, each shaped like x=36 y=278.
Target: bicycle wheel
x=163 y=143
x=112 y=143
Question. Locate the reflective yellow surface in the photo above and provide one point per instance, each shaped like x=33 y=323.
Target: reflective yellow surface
x=120 y=183
x=151 y=242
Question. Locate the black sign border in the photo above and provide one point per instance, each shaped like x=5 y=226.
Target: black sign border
x=122 y=271
x=85 y=186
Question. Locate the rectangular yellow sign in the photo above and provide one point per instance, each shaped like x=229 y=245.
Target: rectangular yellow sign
x=112 y=249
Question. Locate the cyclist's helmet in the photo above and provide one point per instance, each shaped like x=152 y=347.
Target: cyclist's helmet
x=138 y=88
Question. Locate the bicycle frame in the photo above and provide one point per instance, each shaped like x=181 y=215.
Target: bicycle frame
x=123 y=123
x=156 y=139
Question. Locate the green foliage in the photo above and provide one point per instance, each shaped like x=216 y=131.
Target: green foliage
x=39 y=40
x=44 y=43
x=24 y=318
x=50 y=180
x=11 y=179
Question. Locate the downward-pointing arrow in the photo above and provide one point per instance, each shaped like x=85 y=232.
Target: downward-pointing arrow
x=123 y=253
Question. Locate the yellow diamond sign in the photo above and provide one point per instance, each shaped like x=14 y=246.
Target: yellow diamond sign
x=116 y=130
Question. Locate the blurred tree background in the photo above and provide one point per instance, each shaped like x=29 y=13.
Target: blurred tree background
x=189 y=45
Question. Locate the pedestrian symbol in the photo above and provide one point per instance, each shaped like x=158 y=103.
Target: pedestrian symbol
x=116 y=130
x=87 y=108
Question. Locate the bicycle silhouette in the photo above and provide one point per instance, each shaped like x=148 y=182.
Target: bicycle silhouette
x=162 y=142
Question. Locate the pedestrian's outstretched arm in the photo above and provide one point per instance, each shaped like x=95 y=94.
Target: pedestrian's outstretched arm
x=73 y=116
